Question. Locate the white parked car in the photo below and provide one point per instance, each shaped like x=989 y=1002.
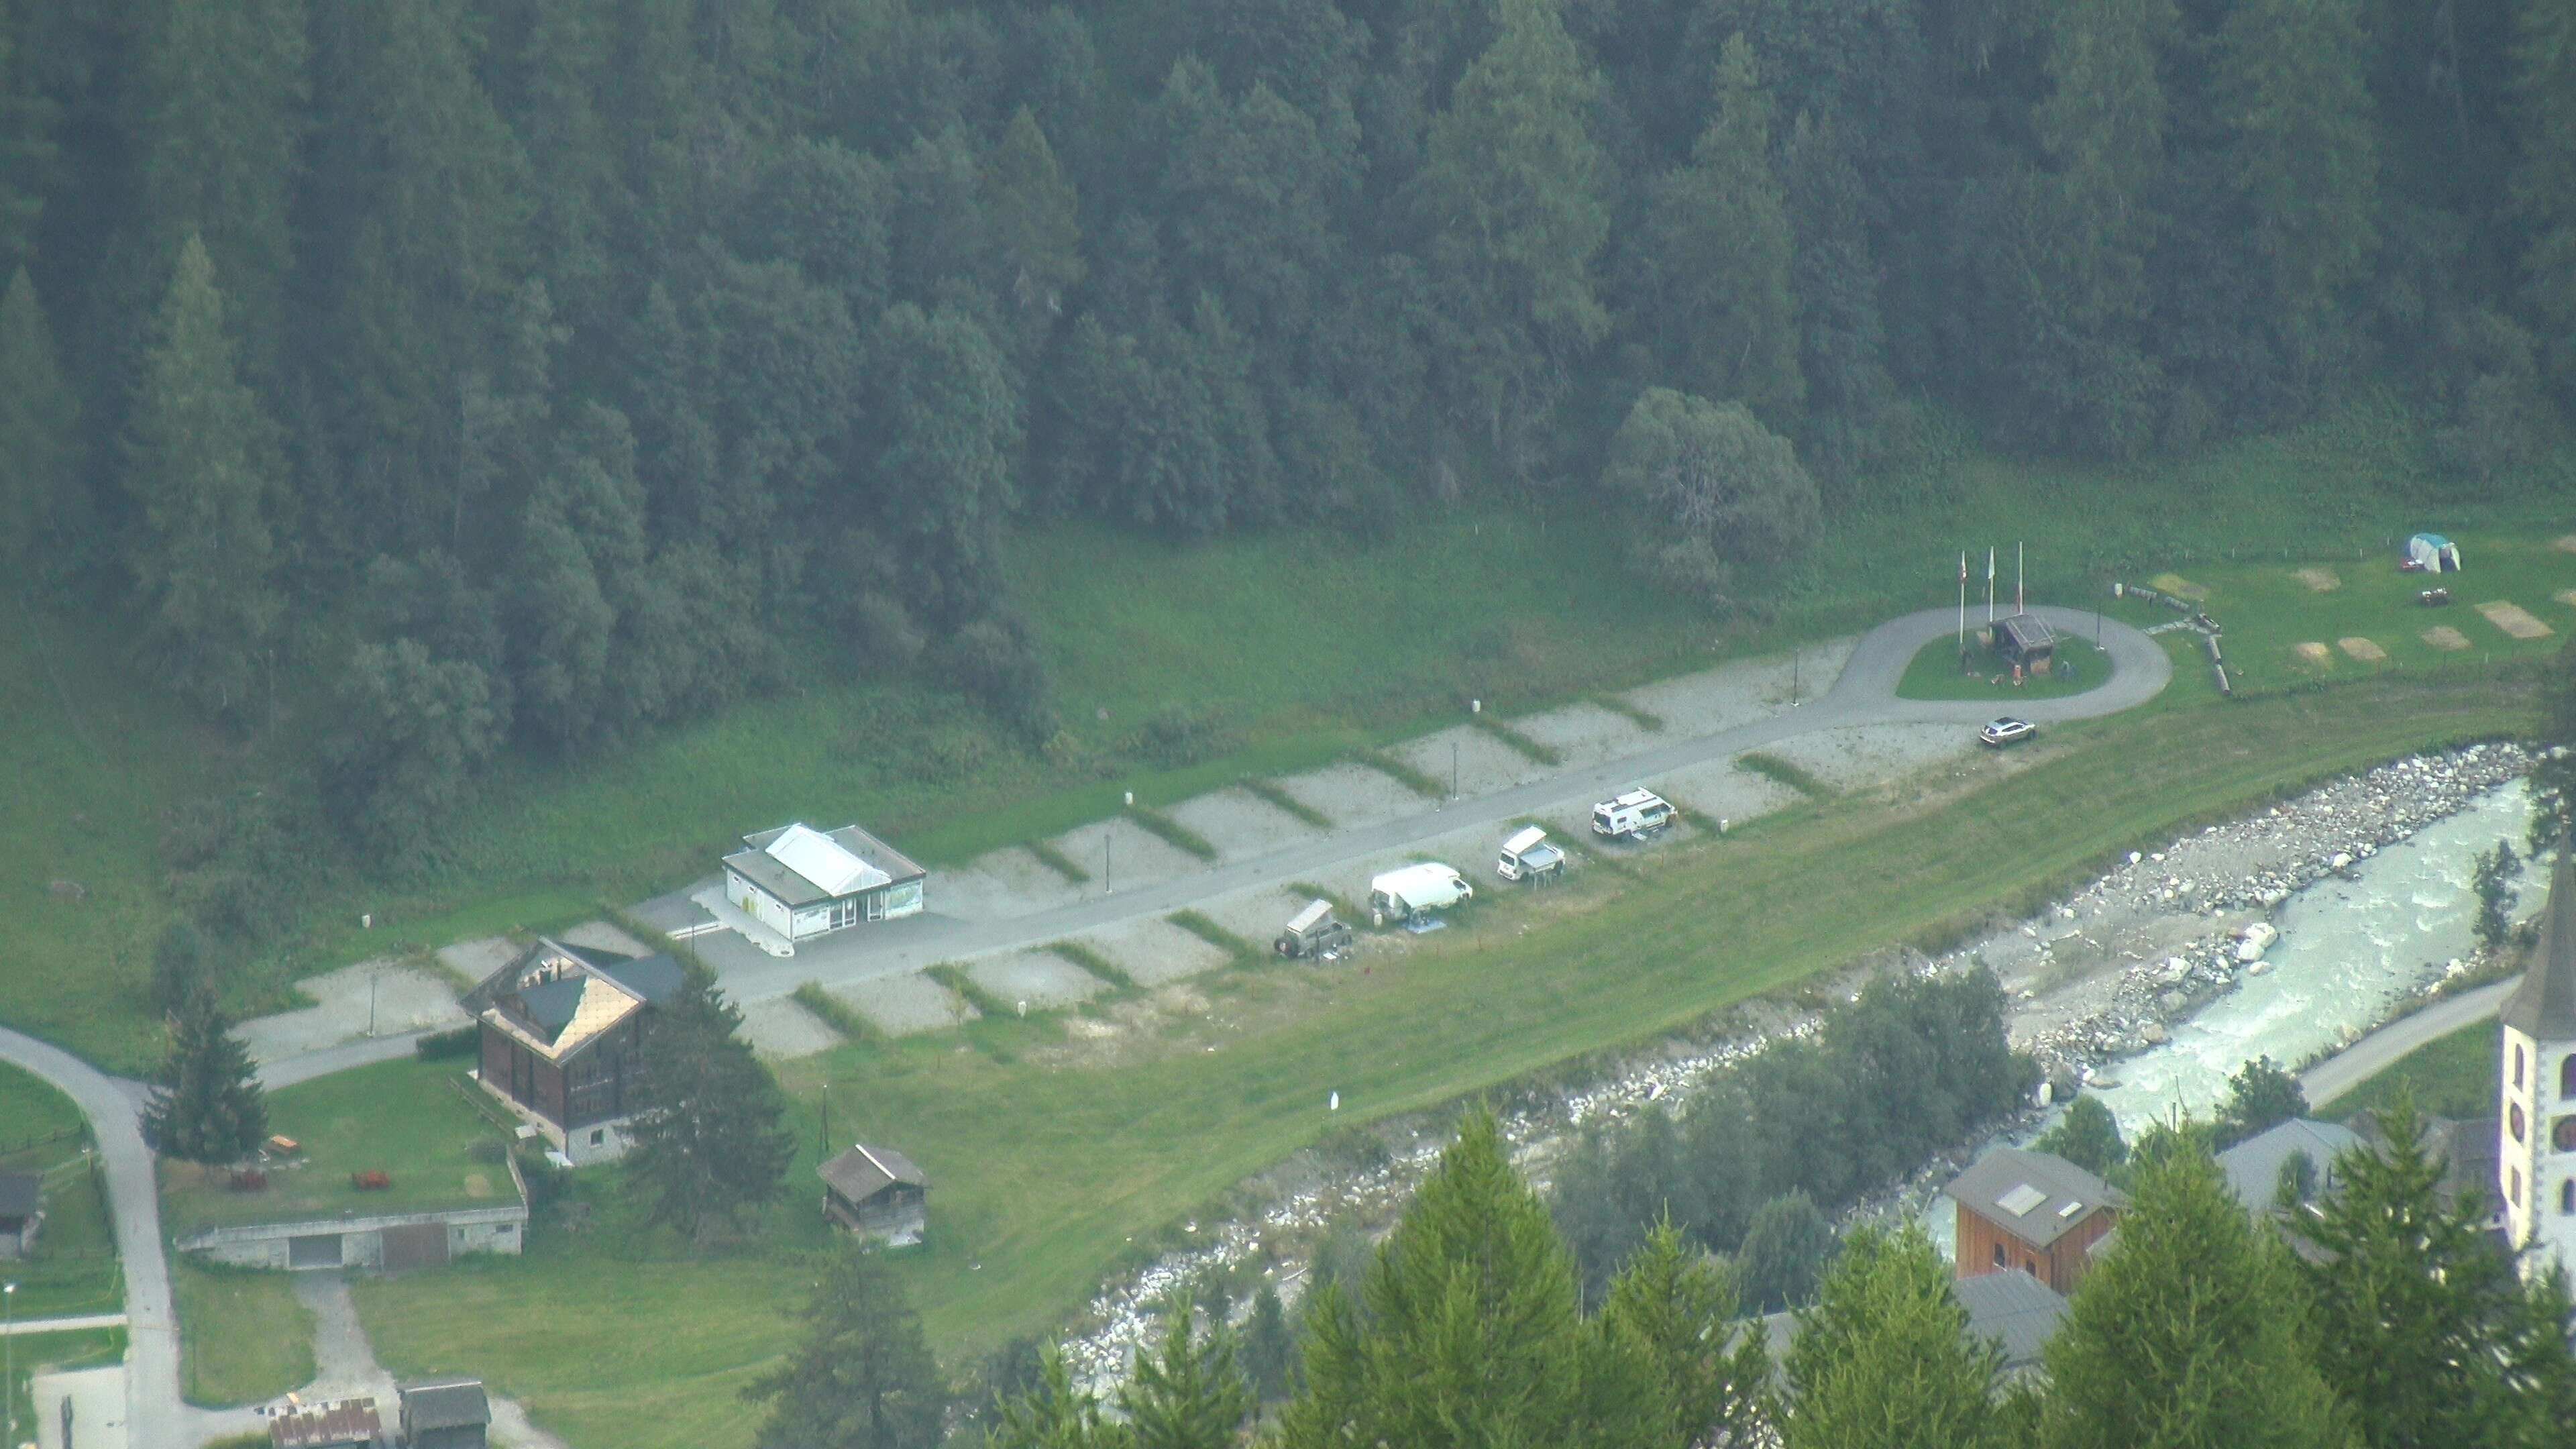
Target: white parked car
x=1400 y=895
x=2007 y=731
x=1637 y=815
x=1528 y=856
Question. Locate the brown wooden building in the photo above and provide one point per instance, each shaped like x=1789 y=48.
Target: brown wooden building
x=2024 y=639
x=876 y=1192
x=2030 y=1212
x=563 y=1044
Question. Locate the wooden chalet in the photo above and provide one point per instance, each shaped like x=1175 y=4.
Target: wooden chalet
x=562 y=1040
x=22 y=1212
x=876 y=1192
x=450 y=1413
x=2030 y=1212
x=2023 y=639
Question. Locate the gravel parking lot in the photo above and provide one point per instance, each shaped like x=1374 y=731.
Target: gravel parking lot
x=1483 y=764
x=1001 y=884
x=1863 y=755
x=1351 y=795
x=779 y=1029
x=1734 y=694
x=905 y=1004
x=471 y=961
x=1586 y=734
x=1043 y=979
x=1135 y=856
x=407 y=998
x=1154 y=951
x=1239 y=823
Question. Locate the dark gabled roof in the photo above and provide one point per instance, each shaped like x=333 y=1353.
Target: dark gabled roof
x=2543 y=1007
x=652 y=977
x=21 y=1193
x=560 y=998
x=2034 y=1196
x=2016 y=1310
x=863 y=1172
x=328 y=1426
x=2026 y=631
x=445 y=1404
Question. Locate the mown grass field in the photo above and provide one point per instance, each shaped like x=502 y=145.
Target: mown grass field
x=244 y=1336
x=74 y=1268
x=1934 y=673
x=37 y=1353
x=403 y=1117
x=1049 y=1170
x=2453 y=1076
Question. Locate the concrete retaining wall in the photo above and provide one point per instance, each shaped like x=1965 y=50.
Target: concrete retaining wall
x=361 y=1240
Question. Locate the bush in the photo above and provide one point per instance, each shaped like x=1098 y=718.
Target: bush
x=439 y=1046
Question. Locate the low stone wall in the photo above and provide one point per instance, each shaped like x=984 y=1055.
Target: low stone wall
x=361 y=1240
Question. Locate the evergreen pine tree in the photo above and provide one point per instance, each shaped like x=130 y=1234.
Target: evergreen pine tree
x=1187 y=1394
x=1056 y=1415
x=2544 y=103
x=1269 y=1347
x=208 y=1107
x=201 y=460
x=2414 y=1310
x=41 y=512
x=1472 y=1336
x=1673 y=1312
x=1884 y=1360
x=1785 y=1254
x=708 y=1145
x=2294 y=84
x=2193 y=1331
x=862 y=1377
x=1509 y=201
x=1034 y=223
x=1717 y=253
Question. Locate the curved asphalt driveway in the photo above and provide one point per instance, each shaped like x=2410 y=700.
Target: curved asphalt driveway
x=154 y=1416
x=1864 y=694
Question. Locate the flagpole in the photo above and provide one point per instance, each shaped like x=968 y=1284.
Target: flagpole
x=1963 y=603
x=1990 y=583
x=2018 y=606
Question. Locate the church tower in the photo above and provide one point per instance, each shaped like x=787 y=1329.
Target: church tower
x=2536 y=1170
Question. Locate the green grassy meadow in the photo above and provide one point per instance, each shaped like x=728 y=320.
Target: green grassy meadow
x=245 y=1337
x=1051 y=1166
x=402 y=1116
x=2452 y=1076
x=36 y=1353
x=74 y=1269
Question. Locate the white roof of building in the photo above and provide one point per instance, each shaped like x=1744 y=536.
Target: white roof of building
x=1426 y=874
x=821 y=859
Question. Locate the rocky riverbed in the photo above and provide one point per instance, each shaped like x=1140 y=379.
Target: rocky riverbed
x=2098 y=974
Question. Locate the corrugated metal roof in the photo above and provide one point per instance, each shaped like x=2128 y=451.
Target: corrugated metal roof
x=820 y=859
x=863 y=1172
x=328 y=1426
x=2017 y=1311
x=445 y=1404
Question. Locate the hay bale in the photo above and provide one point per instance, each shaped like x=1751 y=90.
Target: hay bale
x=2313 y=652
x=67 y=890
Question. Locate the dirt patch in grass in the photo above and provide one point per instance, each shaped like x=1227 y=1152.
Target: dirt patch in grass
x=2566 y=596
x=2362 y=649
x=2566 y=543
x=2515 y=620
x=2178 y=586
x=2313 y=652
x=2443 y=636
x=2320 y=579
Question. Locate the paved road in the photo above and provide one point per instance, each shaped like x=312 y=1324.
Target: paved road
x=2372 y=1054
x=64 y=1325
x=1865 y=694
x=154 y=1415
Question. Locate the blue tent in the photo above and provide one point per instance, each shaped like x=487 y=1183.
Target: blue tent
x=2433 y=553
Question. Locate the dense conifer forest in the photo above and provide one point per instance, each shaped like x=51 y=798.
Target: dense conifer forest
x=519 y=377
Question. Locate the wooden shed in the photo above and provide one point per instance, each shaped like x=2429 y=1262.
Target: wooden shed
x=876 y=1192
x=2034 y=1213
x=2023 y=639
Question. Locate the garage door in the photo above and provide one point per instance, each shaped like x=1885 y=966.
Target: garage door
x=317 y=1250
x=415 y=1245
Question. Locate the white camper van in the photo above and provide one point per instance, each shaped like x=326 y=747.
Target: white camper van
x=1400 y=895
x=1528 y=856
x=1637 y=815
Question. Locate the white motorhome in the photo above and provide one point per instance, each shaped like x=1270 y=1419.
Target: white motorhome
x=1528 y=856
x=1400 y=895
x=1636 y=815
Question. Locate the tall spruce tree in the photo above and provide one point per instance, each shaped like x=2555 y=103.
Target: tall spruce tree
x=708 y=1144
x=1472 y=1334
x=2544 y=103
x=1674 y=1313
x=202 y=464
x=862 y=1377
x=2293 y=83
x=1717 y=256
x=2193 y=1332
x=2415 y=1311
x=1884 y=1360
x=1187 y=1393
x=208 y=1107
x=42 y=517
x=1509 y=203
